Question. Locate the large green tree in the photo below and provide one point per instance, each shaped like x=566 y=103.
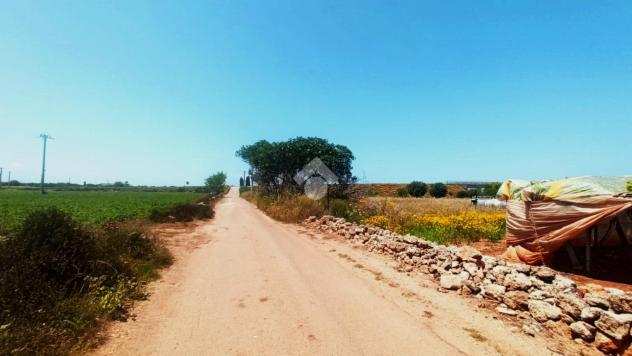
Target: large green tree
x=274 y=164
x=216 y=183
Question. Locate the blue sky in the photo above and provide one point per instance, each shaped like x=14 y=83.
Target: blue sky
x=164 y=92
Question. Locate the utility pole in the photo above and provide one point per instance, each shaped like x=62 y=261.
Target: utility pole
x=0 y=176
x=45 y=137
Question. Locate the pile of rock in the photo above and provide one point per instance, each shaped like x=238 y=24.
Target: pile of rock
x=538 y=295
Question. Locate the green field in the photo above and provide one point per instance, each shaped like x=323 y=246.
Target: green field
x=89 y=207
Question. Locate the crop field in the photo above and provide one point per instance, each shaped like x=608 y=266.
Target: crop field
x=439 y=220
x=89 y=207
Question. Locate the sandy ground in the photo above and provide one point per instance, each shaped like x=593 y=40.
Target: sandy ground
x=244 y=284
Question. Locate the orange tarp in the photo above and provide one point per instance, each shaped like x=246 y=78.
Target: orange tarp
x=542 y=217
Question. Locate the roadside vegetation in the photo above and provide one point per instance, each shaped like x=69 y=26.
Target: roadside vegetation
x=71 y=261
x=274 y=166
x=430 y=211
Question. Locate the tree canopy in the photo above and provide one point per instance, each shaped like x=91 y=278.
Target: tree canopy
x=274 y=164
x=216 y=183
x=417 y=189
x=438 y=190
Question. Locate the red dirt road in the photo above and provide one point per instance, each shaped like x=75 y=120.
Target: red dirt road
x=244 y=284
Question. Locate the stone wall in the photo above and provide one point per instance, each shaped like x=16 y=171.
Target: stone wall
x=537 y=295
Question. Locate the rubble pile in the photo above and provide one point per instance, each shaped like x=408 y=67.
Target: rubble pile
x=537 y=295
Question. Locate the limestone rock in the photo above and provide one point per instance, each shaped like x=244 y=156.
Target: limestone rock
x=571 y=304
x=500 y=271
x=516 y=299
x=563 y=283
x=543 y=311
x=583 y=330
x=605 y=344
x=621 y=302
x=517 y=281
x=451 y=281
x=546 y=274
x=539 y=295
x=617 y=326
x=520 y=267
x=598 y=301
x=493 y=291
x=470 y=267
x=503 y=309
x=472 y=286
x=590 y=314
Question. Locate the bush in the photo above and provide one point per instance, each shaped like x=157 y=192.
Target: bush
x=402 y=192
x=465 y=193
x=491 y=189
x=417 y=189
x=182 y=212
x=244 y=189
x=60 y=278
x=342 y=208
x=628 y=186
x=438 y=190
x=216 y=184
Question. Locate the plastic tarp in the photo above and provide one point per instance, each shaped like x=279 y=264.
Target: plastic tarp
x=542 y=216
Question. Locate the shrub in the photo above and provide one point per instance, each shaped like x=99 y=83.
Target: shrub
x=491 y=189
x=244 y=189
x=465 y=193
x=628 y=186
x=216 y=183
x=417 y=189
x=60 y=278
x=57 y=245
x=438 y=190
x=342 y=208
x=182 y=212
x=402 y=192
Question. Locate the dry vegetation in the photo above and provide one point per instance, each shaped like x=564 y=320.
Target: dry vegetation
x=287 y=207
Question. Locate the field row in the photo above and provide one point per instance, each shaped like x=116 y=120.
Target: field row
x=89 y=207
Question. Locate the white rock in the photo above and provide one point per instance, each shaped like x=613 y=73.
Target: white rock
x=543 y=311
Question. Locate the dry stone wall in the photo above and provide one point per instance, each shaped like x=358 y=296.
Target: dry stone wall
x=538 y=295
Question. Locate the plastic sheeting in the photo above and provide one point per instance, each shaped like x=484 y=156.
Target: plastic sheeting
x=543 y=216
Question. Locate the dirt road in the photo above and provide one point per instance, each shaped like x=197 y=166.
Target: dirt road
x=245 y=284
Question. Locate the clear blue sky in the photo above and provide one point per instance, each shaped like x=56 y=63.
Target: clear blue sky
x=160 y=93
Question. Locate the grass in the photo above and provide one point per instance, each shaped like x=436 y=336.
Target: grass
x=440 y=220
x=88 y=207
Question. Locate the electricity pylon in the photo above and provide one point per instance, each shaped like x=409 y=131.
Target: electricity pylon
x=45 y=138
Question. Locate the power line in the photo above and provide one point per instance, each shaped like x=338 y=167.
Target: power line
x=45 y=138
